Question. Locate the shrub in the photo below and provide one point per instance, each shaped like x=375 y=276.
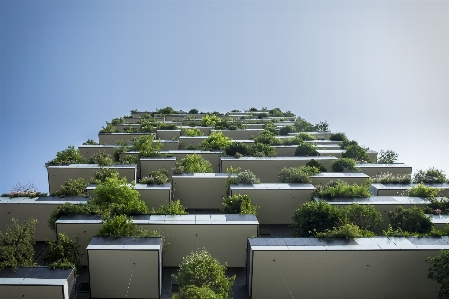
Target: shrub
x=439 y=271
x=200 y=269
x=389 y=178
x=122 y=226
x=247 y=177
x=297 y=174
x=90 y=142
x=171 y=208
x=209 y=120
x=192 y=164
x=305 y=149
x=67 y=156
x=27 y=190
x=192 y=132
x=105 y=172
x=238 y=147
x=266 y=137
x=262 y=150
x=347 y=231
x=429 y=176
x=238 y=204
x=101 y=158
x=357 y=153
x=344 y=164
x=193 y=111
x=338 y=137
x=73 y=187
x=194 y=292
x=63 y=253
x=422 y=190
x=166 y=111
x=412 y=220
x=316 y=164
x=301 y=125
x=341 y=189
x=71 y=209
x=127 y=159
x=365 y=217
x=158 y=177
x=387 y=157
x=285 y=130
x=314 y=217
x=146 y=146
x=17 y=244
x=117 y=121
x=438 y=206
x=215 y=141
x=109 y=128
x=165 y=126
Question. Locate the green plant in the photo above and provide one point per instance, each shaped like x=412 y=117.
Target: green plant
x=146 y=146
x=27 y=190
x=209 y=120
x=73 y=187
x=347 y=231
x=344 y=164
x=365 y=217
x=192 y=164
x=299 y=175
x=130 y=129
x=437 y=206
x=171 y=208
x=315 y=216
x=439 y=271
x=341 y=189
x=316 y=164
x=192 y=132
x=101 y=158
x=322 y=126
x=285 y=130
x=266 y=137
x=158 y=177
x=193 y=111
x=127 y=159
x=422 y=190
x=238 y=204
x=387 y=157
x=165 y=126
x=72 y=209
x=109 y=128
x=116 y=196
x=247 y=177
x=166 y=111
x=357 y=153
x=200 y=269
x=63 y=253
x=262 y=150
x=430 y=176
x=338 y=137
x=389 y=178
x=306 y=149
x=90 y=142
x=117 y=121
x=17 y=244
x=412 y=220
x=301 y=125
x=194 y=292
x=67 y=156
x=122 y=226
x=238 y=147
x=215 y=141
x=101 y=175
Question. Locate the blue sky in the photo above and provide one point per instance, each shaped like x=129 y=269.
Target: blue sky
x=377 y=70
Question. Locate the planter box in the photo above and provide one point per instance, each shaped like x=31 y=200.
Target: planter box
x=267 y=169
x=224 y=236
x=167 y=134
x=276 y=201
x=212 y=156
x=37 y=282
x=398 y=189
x=325 y=142
x=240 y=134
x=185 y=141
x=153 y=195
x=88 y=151
x=112 y=138
x=147 y=165
x=375 y=169
x=58 y=175
x=39 y=208
x=325 y=135
x=200 y=190
x=439 y=221
x=204 y=130
x=368 y=268
x=132 y=120
x=325 y=177
x=125 y=267
x=121 y=127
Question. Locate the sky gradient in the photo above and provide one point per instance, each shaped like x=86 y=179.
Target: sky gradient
x=376 y=70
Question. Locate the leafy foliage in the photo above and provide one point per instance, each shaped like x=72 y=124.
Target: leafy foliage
x=166 y=111
x=122 y=226
x=72 y=209
x=316 y=164
x=215 y=141
x=158 y=177
x=17 y=244
x=314 y=217
x=305 y=149
x=27 y=190
x=238 y=204
x=73 y=187
x=412 y=220
x=389 y=178
x=109 y=128
x=422 y=190
x=67 y=156
x=238 y=147
x=200 y=269
x=439 y=271
x=193 y=111
x=102 y=158
x=344 y=164
x=170 y=208
x=429 y=176
x=364 y=216
x=285 y=130
x=247 y=177
x=297 y=174
x=127 y=159
x=146 y=146
x=101 y=175
x=90 y=142
x=338 y=137
x=262 y=150
x=193 y=164
x=341 y=189
x=347 y=231
x=192 y=132
x=301 y=125
x=387 y=157
x=63 y=253
x=357 y=153
x=194 y=292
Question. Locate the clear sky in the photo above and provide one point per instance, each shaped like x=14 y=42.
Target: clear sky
x=376 y=70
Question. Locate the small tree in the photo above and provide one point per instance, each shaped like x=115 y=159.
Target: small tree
x=412 y=220
x=305 y=149
x=67 y=156
x=73 y=187
x=63 y=253
x=357 y=153
x=315 y=216
x=122 y=226
x=297 y=174
x=17 y=244
x=192 y=164
x=238 y=204
x=387 y=157
x=344 y=164
x=439 y=271
x=215 y=141
x=102 y=158
x=364 y=216
x=172 y=208
x=201 y=270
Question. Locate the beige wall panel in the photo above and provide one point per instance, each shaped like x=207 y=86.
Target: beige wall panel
x=241 y=134
x=111 y=138
x=343 y=274
x=31 y=291
x=148 y=165
x=133 y=274
x=350 y=178
x=212 y=156
x=375 y=169
x=154 y=197
x=88 y=151
x=185 y=141
x=167 y=134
